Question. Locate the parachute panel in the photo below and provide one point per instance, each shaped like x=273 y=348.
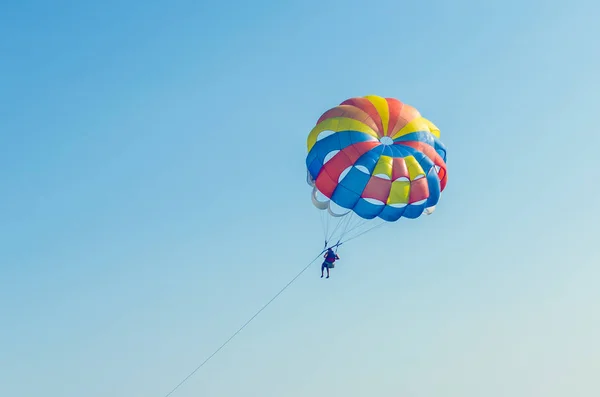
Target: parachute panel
x=376 y=157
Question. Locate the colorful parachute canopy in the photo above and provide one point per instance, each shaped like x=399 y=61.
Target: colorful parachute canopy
x=375 y=157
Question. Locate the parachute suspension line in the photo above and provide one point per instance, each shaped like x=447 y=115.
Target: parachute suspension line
x=364 y=232
x=325 y=225
x=337 y=226
x=353 y=226
x=245 y=324
x=345 y=224
x=361 y=222
x=344 y=228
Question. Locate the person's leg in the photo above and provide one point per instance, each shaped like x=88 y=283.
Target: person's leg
x=327 y=271
x=322 y=268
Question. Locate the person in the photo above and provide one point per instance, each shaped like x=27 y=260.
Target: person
x=330 y=258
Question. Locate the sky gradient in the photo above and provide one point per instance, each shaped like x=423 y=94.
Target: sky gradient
x=154 y=198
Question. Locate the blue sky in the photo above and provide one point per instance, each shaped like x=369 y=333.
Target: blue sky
x=154 y=197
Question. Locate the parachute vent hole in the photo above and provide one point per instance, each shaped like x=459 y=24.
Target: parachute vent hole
x=386 y=140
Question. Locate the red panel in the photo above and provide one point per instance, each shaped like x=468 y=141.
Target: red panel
x=394 y=106
x=356 y=150
x=327 y=179
x=407 y=113
x=365 y=105
x=349 y=112
x=399 y=168
x=325 y=184
x=430 y=152
x=419 y=190
x=337 y=165
x=377 y=188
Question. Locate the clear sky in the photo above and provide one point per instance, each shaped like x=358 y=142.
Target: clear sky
x=154 y=197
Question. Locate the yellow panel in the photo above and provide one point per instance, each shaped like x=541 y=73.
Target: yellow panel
x=400 y=192
x=433 y=128
x=382 y=108
x=384 y=166
x=414 y=168
x=338 y=124
x=418 y=124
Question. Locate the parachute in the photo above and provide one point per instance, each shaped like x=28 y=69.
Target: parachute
x=373 y=159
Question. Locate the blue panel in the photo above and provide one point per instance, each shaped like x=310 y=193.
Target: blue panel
x=404 y=151
x=370 y=158
x=440 y=148
x=419 y=155
x=310 y=157
x=387 y=151
x=314 y=168
x=358 y=137
x=424 y=161
x=366 y=210
x=337 y=141
x=355 y=181
x=391 y=214
x=413 y=211
x=418 y=136
x=400 y=151
x=326 y=145
x=347 y=138
x=433 y=183
x=344 y=197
